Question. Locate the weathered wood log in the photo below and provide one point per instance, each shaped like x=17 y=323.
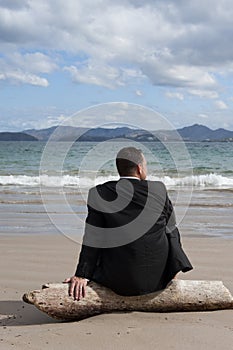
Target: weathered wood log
x=179 y=295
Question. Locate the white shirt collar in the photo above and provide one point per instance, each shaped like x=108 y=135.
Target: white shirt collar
x=130 y=177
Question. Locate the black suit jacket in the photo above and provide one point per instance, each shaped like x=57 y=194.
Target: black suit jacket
x=131 y=243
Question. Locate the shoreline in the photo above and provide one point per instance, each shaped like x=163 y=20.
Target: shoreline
x=196 y=216
x=27 y=262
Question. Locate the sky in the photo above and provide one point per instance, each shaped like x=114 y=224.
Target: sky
x=59 y=57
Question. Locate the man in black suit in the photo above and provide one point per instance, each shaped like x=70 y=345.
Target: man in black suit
x=131 y=243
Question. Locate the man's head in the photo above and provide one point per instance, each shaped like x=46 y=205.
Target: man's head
x=130 y=161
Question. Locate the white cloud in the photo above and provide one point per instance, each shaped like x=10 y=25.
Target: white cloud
x=161 y=73
x=176 y=44
x=204 y=93
x=226 y=125
x=24 y=69
x=203 y=116
x=95 y=74
x=138 y=93
x=34 y=62
x=176 y=95
x=25 y=78
x=221 y=104
x=37 y=117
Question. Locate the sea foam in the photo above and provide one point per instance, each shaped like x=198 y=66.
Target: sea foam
x=200 y=181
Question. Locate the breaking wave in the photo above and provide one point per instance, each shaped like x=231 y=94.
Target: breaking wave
x=215 y=181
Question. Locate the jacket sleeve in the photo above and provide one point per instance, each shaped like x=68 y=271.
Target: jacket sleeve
x=177 y=259
x=90 y=254
x=171 y=227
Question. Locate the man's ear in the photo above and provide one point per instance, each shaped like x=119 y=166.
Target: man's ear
x=139 y=169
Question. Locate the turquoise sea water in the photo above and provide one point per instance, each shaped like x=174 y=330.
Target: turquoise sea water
x=201 y=159
x=37 y=181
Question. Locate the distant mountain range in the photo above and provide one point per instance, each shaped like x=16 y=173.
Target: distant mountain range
x=193 y=133
x=16 y=136
x=199 y=132
x=68 y=133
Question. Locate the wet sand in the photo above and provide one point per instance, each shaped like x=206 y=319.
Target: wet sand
x=29 y=261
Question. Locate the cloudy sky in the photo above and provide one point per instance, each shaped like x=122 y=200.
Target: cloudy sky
x=58 y=57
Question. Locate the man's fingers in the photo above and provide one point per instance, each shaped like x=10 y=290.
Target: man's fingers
x=77 y=293
x=80 y=291
x=72 y=287
x=83 y=291
x=77 y=287
x=67 y=280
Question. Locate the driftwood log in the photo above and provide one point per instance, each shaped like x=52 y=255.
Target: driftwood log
x=179 y=295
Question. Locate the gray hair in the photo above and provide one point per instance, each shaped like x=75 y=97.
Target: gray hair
x=127 y=160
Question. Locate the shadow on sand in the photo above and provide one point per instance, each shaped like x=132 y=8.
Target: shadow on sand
x=18 y=313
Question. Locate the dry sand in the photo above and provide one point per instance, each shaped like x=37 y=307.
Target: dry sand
x=29 y=261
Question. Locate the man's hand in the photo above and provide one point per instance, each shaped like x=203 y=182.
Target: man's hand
x=77 y=287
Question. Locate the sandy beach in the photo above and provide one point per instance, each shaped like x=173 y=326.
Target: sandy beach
x=29 y=261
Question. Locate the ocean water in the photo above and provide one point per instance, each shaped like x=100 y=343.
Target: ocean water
x=43 y=187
